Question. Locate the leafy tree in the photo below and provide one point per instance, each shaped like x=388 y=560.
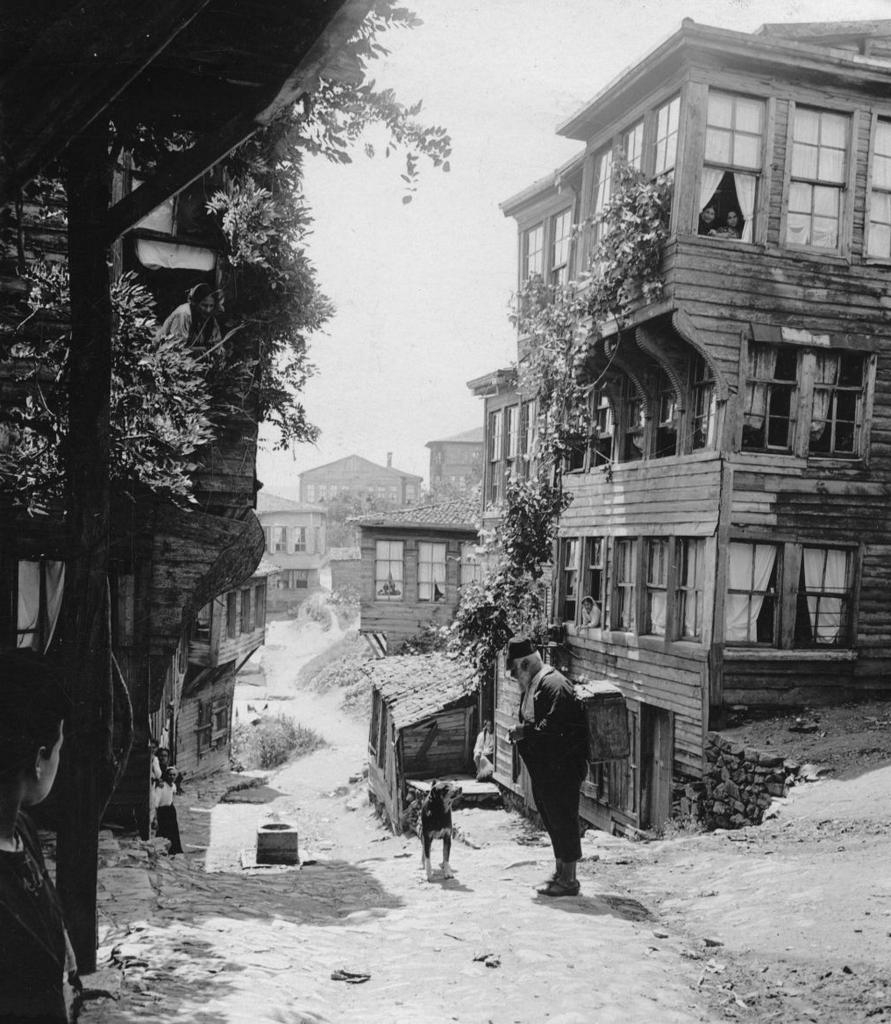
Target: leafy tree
x=162 y=405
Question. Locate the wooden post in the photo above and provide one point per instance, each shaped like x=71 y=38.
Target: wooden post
x=86 y=766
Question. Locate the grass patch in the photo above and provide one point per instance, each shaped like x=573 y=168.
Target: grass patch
x=272 y=742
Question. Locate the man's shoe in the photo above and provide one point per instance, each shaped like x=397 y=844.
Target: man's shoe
x=559 y=887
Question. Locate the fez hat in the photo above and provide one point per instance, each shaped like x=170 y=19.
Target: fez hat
x=519 y=647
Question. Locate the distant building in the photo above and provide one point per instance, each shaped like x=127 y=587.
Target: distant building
x=414 y=560
x=296 y=543
x=456 y=462
x=360 y=478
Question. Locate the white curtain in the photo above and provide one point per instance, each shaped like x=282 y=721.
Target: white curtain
x=762 y=367
x=745 y=193
x=29 y=603
x=827 y=373
x=711 y=179
x=825 y=611
x=750 y=569
x=657 y=612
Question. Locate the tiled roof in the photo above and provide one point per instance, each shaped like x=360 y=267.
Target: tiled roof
x=414 y=687
x=357 y=463
x=273 y=503
x=460 y=512
x=474 y=436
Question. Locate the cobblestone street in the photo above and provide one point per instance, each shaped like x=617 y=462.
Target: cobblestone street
x=236 y=945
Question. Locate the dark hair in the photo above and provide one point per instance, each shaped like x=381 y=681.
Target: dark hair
x=200 y=292
x=32 y=704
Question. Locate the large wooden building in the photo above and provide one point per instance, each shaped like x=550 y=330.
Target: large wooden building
x=729 y=536
x=356 y=477
x=456 y=463
x=414 y=560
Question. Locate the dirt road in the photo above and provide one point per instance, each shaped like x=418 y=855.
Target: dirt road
x=785 y=923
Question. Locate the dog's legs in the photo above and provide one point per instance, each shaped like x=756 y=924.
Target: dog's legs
x=446 y=851
x=425 y=857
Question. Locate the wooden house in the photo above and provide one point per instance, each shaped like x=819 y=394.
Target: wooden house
x=456 y=462
x=136 y=573
x=423 y=726
x=414 y=560
x=729 y=536
x=356 y=477
x=296 y=542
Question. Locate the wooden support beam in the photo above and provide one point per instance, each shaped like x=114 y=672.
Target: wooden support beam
x=181 y=169
x=87 y=768
x=74 y=71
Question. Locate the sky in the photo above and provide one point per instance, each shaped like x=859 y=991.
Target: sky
x=422 y=291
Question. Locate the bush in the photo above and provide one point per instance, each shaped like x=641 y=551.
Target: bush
x=272 y=742
x=315 y=607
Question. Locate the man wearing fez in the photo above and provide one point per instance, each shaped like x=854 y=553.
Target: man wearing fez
x=552 y=741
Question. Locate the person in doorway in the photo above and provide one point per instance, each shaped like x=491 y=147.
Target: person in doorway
x=483 y=752
x=37 y=969
x=194 y=323
x=165 y=785
x=551 y=739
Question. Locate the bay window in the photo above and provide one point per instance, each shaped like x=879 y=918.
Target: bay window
x=603 y=190
x=533 y=252
x=593 y=601
x=561 y=239
x=632 y=145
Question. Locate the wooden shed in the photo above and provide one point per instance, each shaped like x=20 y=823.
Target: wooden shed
x=423 y=726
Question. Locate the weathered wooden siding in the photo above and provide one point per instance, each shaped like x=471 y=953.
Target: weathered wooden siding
x=678 y=495
x=449 y=750
x=404 y=618
x=191 y=760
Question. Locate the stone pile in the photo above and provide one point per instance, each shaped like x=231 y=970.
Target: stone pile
x=738 y=786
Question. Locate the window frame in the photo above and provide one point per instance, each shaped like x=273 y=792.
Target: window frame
x=624 y=592
x=683 y=589
x=652 y=587
x=778 y=575
x=568 y=579
x=298 y=540
x=380 y=581
x=846 y=188
x=878 y=118
x=760 y=174
x=433 y=563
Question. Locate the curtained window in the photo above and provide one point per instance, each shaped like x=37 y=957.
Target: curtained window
x=603 y=429
x=818 y=171
x=431 y=571
x=388 y=570
x=594 y=568
x=824 y=593
x=40 y=588
x=689 y=554
x=656 y=597
x=771 y=397
x=751 y=610
x=667 y=429
x=734 y=146
x=702 y=422
x=837 y=410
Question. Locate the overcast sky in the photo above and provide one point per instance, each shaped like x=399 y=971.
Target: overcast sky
x=422 y=290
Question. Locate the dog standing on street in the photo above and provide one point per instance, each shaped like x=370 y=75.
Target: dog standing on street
x=436 y=823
